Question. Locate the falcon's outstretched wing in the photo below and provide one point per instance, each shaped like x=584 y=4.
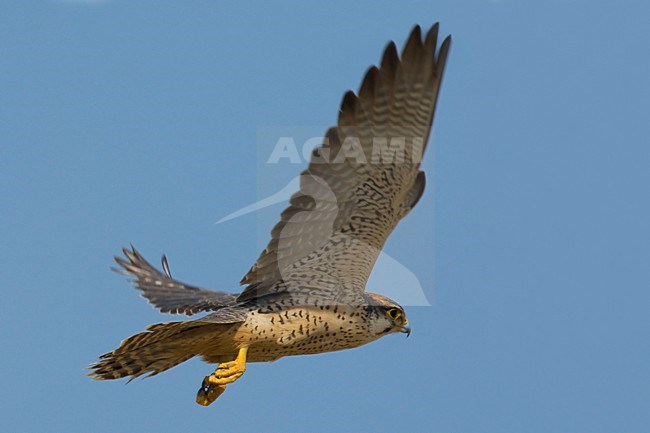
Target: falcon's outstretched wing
x=359 y=183
x=167 y=294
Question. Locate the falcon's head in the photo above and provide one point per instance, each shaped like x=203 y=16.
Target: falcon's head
x=386 y=316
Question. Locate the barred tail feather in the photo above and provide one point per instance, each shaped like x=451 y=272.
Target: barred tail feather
x=159 y=348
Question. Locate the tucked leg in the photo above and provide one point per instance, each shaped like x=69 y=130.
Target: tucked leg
x=228 y=372
x=215 y=384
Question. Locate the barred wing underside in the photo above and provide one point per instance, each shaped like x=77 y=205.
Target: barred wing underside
x=359 y=183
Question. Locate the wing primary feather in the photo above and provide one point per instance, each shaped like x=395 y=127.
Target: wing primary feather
x=165 y=266
x=346 y=113
x=441 y=60
x=431 y=39
x=368 y=84
x=390 y=58
x=413 y=45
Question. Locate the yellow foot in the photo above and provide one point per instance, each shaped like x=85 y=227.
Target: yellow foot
x=215 y=384
x=228 y=372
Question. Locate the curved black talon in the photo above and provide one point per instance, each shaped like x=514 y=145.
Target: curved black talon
x=208 y=392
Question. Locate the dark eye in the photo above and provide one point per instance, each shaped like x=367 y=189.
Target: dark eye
x=394 y=313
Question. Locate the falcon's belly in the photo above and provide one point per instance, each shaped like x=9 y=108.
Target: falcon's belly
x=303 y=331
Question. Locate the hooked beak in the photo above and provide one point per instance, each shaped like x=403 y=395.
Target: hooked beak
x=406 y=329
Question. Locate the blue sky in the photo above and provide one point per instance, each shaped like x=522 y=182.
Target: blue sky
x=139 y=121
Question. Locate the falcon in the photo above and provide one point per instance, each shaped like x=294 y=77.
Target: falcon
x=305 y=294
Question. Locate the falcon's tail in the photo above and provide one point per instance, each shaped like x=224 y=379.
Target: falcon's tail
x=159 y=348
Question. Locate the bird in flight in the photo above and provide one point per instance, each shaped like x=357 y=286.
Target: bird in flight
x=305 y=294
